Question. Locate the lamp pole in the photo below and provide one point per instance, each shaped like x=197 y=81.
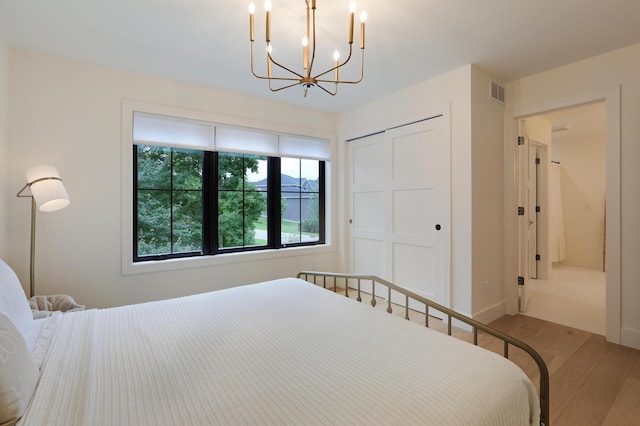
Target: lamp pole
x=32 y=256
x=45 y=183
x=32 y=252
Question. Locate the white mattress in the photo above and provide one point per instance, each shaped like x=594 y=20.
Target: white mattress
x=283 y=352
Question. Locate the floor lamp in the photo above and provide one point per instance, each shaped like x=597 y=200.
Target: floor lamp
x=48 y=194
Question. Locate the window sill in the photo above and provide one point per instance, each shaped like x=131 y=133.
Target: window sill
x=131 y=268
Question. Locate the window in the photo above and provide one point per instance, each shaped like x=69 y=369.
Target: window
x=168 y=208
x=196 y=193
x=242 y=204
x=300 y=192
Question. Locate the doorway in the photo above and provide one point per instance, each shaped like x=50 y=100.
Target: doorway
x=566 y=216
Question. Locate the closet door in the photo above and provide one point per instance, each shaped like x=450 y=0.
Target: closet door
x=370 y=183
x=400 y=207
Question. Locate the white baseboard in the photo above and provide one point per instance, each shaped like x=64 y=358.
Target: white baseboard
x=630 y=337
x=491 y=313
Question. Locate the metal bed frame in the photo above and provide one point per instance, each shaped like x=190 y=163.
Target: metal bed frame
x=448 y=313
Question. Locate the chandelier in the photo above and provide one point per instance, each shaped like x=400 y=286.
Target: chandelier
x=306 y=78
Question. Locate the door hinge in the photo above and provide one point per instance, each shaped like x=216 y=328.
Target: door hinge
x=537 y=257
x=520 y=280
x=520 y=211
x=520 y=140
x=537 y=209
x=537 y=161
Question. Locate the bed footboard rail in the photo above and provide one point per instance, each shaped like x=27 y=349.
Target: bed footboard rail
x=330 y=279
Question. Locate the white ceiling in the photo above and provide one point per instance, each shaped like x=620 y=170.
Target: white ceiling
x=576 y=122
x=408 y=41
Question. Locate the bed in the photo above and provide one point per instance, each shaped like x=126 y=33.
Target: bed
x=283 y=352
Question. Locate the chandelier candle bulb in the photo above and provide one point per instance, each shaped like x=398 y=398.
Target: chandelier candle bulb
x=336 y=58
x=252 y=11
x=267 y=6
x=269 y=60
x=352 y=8
x=363 y=18
x=305 y=52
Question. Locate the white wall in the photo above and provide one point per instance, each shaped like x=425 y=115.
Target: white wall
x=583 y=198
x=4 y=141
x=68 y=113
x=487 y=199
x=449 y=91
x=539 y=130
x=607 y=72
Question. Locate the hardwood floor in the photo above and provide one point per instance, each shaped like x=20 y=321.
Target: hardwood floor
x=592 y=382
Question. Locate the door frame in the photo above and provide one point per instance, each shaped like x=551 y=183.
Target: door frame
x=611 y=97
x=522 y=201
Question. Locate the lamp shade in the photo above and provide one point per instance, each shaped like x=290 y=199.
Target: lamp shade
x=47 y=188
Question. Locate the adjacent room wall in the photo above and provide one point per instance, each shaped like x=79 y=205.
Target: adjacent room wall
x=610 y=71
x=583 y=197
x=4 y=142
x=539 y=129
x=487 y=199
x=68 y=113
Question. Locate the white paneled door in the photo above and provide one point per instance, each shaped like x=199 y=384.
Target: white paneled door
x=400 y=227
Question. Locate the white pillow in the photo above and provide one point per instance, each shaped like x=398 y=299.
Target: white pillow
x=18 y=373
x=13 y=301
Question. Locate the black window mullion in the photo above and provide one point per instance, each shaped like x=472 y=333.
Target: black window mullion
x=300 y=201
x=209 y=202
x=244 y=202
x=274 y=206
x=321 y=201
x=135 y=202
x=171 y=189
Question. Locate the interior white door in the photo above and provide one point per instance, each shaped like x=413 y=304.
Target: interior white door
x=400 y=207
x=523 y=217
x=369 y=187
x=420 y=200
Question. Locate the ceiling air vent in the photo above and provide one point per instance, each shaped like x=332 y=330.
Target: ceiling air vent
x=497 y=92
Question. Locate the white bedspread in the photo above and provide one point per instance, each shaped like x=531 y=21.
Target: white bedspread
x=283 y=352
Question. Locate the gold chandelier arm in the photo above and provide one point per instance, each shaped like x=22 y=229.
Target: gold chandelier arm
x=252 y=65
x=317 y=77
x=283 y=87
x=313 y=49
x=326 y=90
x=346 y=81
x=264 y=77
x=284 y=68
